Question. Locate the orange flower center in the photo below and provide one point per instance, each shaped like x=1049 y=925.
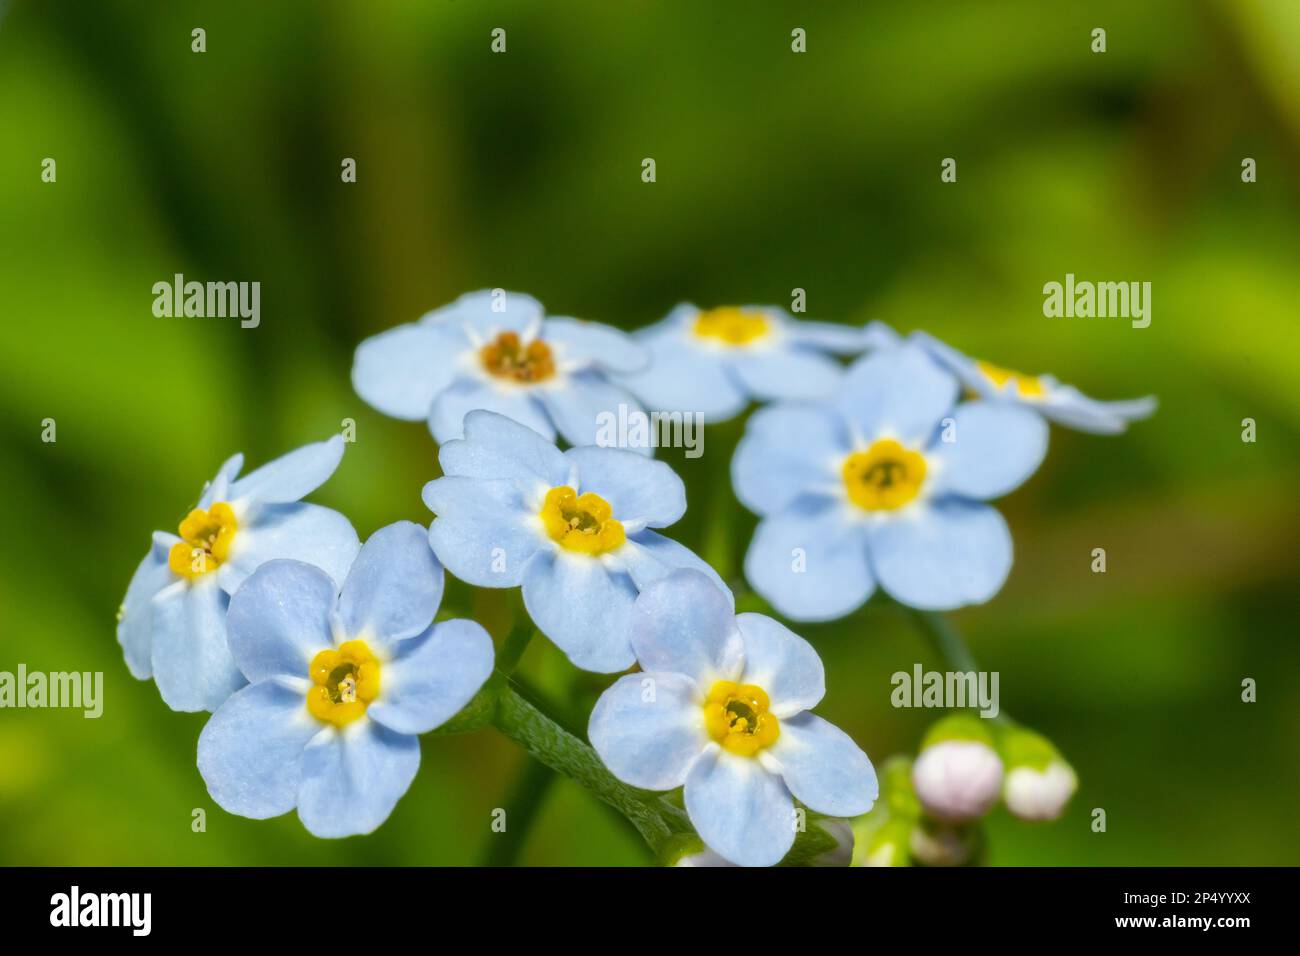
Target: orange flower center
x=508 y=358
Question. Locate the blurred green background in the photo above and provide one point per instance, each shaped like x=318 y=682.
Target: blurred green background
x=776 y=170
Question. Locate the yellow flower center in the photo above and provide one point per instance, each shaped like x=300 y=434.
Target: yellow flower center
x=344 y=682
x=506 y=357
x=1026 y=386
x=582 y=523
x=736 y=716
x=205 y=541
x=884 y=477
x=731 y=325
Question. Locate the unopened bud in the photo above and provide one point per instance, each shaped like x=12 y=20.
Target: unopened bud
x=958 y=774
x=1039 y=782
x=842 y=833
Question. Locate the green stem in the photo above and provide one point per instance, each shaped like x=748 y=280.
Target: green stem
x=720 y=530
x=656 y=820
x=946 y=640
x=950 y=646
x=522 y=808
x=513 y=647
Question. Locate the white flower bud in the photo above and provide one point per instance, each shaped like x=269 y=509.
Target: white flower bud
x=957 y=780
x=1039 y=794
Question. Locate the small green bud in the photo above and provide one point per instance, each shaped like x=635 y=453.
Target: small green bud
x=958 y=727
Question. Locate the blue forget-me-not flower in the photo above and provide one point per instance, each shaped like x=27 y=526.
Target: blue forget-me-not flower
x=714 y=361
x=498 y=351
x=340 y=684
x=172 y=624
x=1063 y=404
x=722 y=708
x=885 y=485
x=572 y=528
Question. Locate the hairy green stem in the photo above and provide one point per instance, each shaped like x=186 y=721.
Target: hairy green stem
x=659 y=820
x=558 y=749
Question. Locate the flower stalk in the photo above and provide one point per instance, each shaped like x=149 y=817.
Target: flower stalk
x=548 y=742
x=660 y=822
x=948 y=643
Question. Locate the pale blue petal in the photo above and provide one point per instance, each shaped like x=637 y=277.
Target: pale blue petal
x=190 y=657
x=498 y=447
x=944 y=555
x=432 y=677
x=585 y=408
x=488 y=313
x=684 y=623
x=636 y=488
x=1068 y=406
x=810 y=561
x=590 y=342
x=899 y=393
x=823 y=767
x=394 y=587
x=135 y=619
x=279 y=619
x=683 y=377
x=676 y=322
x=963 y=366
x=649 y=728
x=787 y=451
x=353 y=777
x=218 y=489
x=1063 y=404
x=300 y=532
x=782 y=663
x=828 y=336
x=250 y=751
x=583 y=608
x=485 y=533
x=290 y=476
x=518 y=403
x=742 y=812
x=996 y=446
x=788 y=373
x=879 y=335
x=399 y=372
x=647 y=556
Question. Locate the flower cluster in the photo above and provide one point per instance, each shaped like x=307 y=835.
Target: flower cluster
x=322 y=659
x=934 y=804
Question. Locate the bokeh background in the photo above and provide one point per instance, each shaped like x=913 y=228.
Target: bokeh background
x=775 y=170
